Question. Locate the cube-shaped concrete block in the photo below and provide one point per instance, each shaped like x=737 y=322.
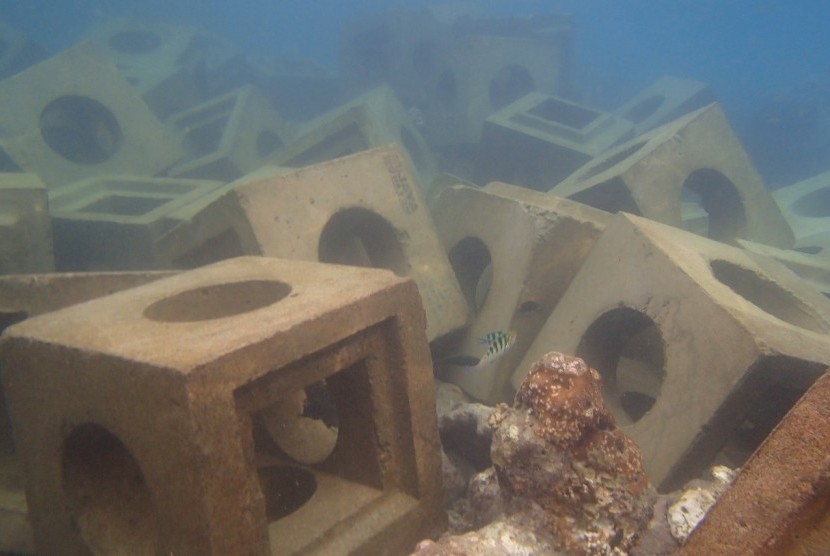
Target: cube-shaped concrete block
x=813 y=269
x=514 y=252
x=696 y=157
x=806 y=206
x=228 y=136
x=18 y=52
x=373 y=119
x=539 y=140
x=254 y=406
x=25 y=225
x=665 y=100
x=113 y=222
x=74 y=116
x=689 y=334
x=365 y=210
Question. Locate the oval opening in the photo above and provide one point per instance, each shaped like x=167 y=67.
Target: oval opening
x=766 y=295
x=611 y=160
x=359 y=237
x=720 y=199
x=286 y=489
x=80 y=129
x=134 y=42
x=645 y=108
x=509 y=84
x=473 y=267
x=217 y=301
x=628 y=350
x=107 y=495
x=815 y=204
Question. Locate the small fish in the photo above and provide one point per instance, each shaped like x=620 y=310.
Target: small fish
x=497 y=342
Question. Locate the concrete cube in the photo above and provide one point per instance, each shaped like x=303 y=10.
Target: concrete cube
x=688 y=334
x=696 y=157
x=25 y=226
x=365 y=210
x=228 y=136
x=667 y=99
x=112 y=222
x=254 y=406
x=514 y=252
x=806 y=206
x=813 y=269
x=539 y=140
x=74 y=115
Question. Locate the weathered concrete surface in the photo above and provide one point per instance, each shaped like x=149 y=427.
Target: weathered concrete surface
x=534 y=244
x=25 y=226
x=79 y=94
x=667 y=98
x=694 y=326
x=778 y=504
x=696 y=155
x=136 y=413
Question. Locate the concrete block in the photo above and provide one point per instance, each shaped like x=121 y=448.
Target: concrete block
x=778 y=503
x=813 y=269
x=370 y=120
x=539 y=140
x=18 y=52
x=365 y=210
x=689 y=334
x=112 y=222
x=667 y=99
x=697 y=158
x=74 y=116
x=228 y=136
x=25 y=226
x=514 y=252
x=806 y=207
x=254 y=406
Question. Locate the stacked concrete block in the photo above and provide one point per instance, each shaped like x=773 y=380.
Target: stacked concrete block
x=813 y=269
x=18 y=51
x=665 y=100
x=25 y=225
x=688 y=334
x=146 y=419
x=539 y=140
x=364 y=210
x=228 y=136
x=514 y=252
x=806 y=206
x=113 y=222
x=372 y=119
x=696 y=157
x=75 y=115
x=778 y=503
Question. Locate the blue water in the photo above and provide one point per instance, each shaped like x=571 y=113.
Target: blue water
x=748 y=51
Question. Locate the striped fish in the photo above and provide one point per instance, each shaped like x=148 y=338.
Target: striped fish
x=498 y=343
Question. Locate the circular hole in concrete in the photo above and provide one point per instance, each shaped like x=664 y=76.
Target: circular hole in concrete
x=473 y=267
x=628 y=350
x=410 y=143
x=107 y=495
x=815 y=204
x=720 y=199
x=360 y=237
x=134 y=42
x=645 y=108
x=611 y=160
x=217 y=301
x=766 y=295
x=446 y=89
x=267 y=143
x=510 y=83
x=305 y=424
x=80 y=129
x=286 y=489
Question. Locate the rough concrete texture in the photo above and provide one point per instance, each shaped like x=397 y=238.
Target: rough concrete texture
x=696 y=155
x=695 y=327
x=778 y=504
x=112 y=399
x=372 y=119
x=806 y=206
x=112 y=222
x=366 y=210
x=80 y=94
x=514 y=252
x=25 y=226
x=228 y=136
x=813 y=269
x=538 y=140
x=666 y=99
